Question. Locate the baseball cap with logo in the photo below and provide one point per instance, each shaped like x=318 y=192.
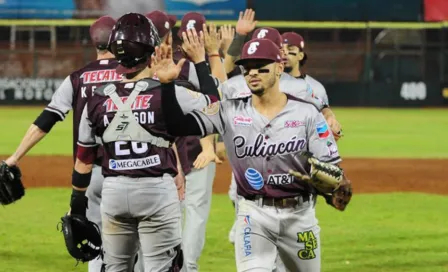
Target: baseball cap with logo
x=100 y=31
x=268 y=33
x=259 y=49
x=292 y=38
x=172 y=19
x=160 y=21
x=191 y=20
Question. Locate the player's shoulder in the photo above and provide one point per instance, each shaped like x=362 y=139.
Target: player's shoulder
x=238 y=79
x=311 y=80
x=302 y=105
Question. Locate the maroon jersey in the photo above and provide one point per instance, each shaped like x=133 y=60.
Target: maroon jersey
x=78 y=87
x=134 y=159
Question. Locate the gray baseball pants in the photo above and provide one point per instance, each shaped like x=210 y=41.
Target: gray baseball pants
x=140 y=212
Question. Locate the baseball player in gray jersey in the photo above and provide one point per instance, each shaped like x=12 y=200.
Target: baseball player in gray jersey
x=139 y=198
x=73 y=94
x=264 y=135
x=294 y=46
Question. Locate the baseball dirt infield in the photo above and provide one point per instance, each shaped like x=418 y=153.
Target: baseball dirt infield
x=368 y=175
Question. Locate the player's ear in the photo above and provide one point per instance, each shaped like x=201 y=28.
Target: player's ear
x=301 y=55
x=279 y=68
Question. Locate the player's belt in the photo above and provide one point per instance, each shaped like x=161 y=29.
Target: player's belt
x=288 y=202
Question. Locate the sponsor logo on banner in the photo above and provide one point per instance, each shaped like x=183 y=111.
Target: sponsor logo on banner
x=322 y=130
x=134 y=163
x=280 y=179
x=200 y=2
x=247 y=236
x=254 y=178
x=140 y=103
x=100 y=76
x=242 y=120
x=294 y=123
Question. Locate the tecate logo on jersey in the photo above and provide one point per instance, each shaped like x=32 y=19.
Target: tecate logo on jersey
x=140 y=103
x=254 y=178
x=100 y=76
x=242 y=121
x=322 y=130
x=134 y=163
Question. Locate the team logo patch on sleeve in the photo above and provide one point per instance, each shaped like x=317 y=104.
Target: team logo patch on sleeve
x=212 y=109
x=322 y=130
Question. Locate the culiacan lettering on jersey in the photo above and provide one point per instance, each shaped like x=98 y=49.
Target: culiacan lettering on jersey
x=246 y=237
x=100 y=76
x=140 y=103
x=263 y=148
x=310 y=244
x=134 y=163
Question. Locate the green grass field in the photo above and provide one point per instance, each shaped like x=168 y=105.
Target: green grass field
x=379 y=232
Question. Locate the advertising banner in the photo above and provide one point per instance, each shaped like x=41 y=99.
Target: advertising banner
x=212 y=9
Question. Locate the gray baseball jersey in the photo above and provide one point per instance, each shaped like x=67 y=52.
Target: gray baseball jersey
x=236 y=87
x=262 y=151
x=318 y=88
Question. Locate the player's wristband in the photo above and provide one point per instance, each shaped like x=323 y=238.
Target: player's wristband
x=81 y=180
x=237 y=45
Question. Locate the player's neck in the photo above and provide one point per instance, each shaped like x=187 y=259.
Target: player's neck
x=271 y=102
x=107 y=55
x=295 y=72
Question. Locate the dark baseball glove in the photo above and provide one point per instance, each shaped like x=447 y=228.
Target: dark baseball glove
x=11 y=186
x=82 y=237
x=329 y=180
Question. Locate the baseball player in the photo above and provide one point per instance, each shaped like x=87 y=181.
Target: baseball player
x=265 y=134
x=198 y=156
x=140 y=201
x=294 y=45
x=73 y=94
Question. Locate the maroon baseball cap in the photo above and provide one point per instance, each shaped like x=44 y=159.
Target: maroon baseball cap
x=191 y=20
x=259 y=49
x=172 y=19
x=100 y=31
x=268 y=33
x=292 y=38
x=160 y=21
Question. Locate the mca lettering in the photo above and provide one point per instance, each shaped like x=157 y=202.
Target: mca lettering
x=100 y=76
x=140 y=103
x=247 y=243
x=310 y=244
x=263 y=148
x=280 y=179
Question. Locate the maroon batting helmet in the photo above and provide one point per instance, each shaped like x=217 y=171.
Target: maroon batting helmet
x=268 y=33
x=132 y=41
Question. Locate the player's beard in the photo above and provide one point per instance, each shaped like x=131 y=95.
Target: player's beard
x=287 y=69
x=261 y=91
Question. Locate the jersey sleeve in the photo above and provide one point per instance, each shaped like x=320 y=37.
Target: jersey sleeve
x=190 y=100
x=86 y=139
x=62 y=100
x=211 y=119
x=321 y=141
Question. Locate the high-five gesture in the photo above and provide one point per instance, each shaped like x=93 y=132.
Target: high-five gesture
x=194 y=45
x=212 y=39
x=246 y=22
x=227 y=32
x=163 y=65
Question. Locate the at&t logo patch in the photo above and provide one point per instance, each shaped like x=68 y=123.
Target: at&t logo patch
x=254 y=178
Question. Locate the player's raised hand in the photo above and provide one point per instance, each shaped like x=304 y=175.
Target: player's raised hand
x=227 y=32
x=246 y=22
x=163 y=65
x=194 y=45
x=212 y=39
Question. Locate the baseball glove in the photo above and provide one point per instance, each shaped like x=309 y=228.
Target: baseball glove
x=329 y=181
x=82 y=237
x=11 y=186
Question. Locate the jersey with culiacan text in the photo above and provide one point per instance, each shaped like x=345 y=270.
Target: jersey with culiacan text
x=78 y=87
x=236 y=87
x=131 y=158
x=262 y=151
x=318 y=88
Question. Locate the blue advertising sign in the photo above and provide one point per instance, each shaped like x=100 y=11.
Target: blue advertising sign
x=37 y=9
x=211 y=9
